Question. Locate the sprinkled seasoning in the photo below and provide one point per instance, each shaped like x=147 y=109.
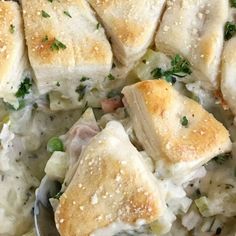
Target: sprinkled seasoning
x=57 y=45
x=45 y=14
x=67 y=14
x=12 y=28
x=184 y=121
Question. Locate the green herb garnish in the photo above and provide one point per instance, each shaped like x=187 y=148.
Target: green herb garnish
x=45 y=14
x=184 y=121
x=111 y=77
x=233 y=3
x=84 y=79
x=45 y=39
x=24 y=88
x=55 y=144
x=58 y=195
x=98 y=26
x=230 y=30
x=81 y=89
x=35 y=105
x=222 y=158
x=180 y=68
x=67 y=14
x=12 y=28
x=57 y=45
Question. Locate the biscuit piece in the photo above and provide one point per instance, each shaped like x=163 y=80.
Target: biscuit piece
x=130 y=24
x=173 y=129
x=228 y=74
x=65 y=43
x=195 y=30
x=111 y=184
x=13 y=58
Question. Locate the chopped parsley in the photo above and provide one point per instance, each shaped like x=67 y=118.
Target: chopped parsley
x=67 y=14
x=184 y=121
x=35 y=105
x=45 y=39
x=111 y=77
x=179 y=68
x=57 y=45
x=12 y=28
x=24 y=88
x=98 y=26
x=230 y=30
x=81 y=89
x=233 y=3
x=58 y=195
x=84 y=79
x=222 y=158
x=45 y=14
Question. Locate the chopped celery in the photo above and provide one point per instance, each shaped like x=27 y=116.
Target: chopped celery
x=149 y=62
x=163 y=224
x=57 y=166
x=203 y=206
x=4 y=120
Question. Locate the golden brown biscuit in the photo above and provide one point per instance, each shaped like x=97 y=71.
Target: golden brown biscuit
x=130 y=24
x=195 y=29
x=13 y=58
x=173 y=129
x=228 y=74
x=65 y=43
x=111 y=184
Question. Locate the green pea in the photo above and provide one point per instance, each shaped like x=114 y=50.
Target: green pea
x=55 y=144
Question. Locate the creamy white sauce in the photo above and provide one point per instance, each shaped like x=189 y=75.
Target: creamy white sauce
x=117 y=227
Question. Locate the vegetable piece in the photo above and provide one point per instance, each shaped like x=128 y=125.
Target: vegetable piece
x=111 y=77
x=233 y=3
x=24 y=88
x=45 y=14
x=202 y=205
x=67 y=14
x=12 y=28
x=149 y=62
x=81 y=90
x=57 y=166
x=230 y=30
x=222 y=158
x=180 y=68
x=57 y=45
x=184 y=121
x=55 y=144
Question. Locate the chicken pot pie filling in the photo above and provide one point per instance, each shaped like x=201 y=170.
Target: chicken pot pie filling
x=129 y=105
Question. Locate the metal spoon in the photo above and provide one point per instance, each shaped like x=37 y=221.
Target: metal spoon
x=43 y=212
